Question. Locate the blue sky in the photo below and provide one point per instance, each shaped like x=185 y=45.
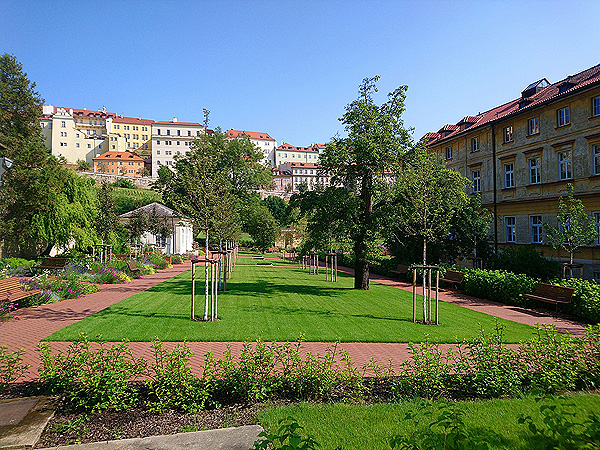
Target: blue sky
x=289 y=67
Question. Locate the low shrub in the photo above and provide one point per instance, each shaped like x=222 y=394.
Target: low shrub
x=586 y=299
x=11 y=267
x=497 y=285
x=156 y=260
x=11 y=366
x=525 y=259
x=91 y=379
x=55 y=290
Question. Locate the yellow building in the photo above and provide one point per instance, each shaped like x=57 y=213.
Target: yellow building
x=521 y=156
x=137 y=133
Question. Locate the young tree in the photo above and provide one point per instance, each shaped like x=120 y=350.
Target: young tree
x=107 y=220
x=376 y=140
x=261 y=226
x=210 y=181
x=428 y=195
x=574 y=228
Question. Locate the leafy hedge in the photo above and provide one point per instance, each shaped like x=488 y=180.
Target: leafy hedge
x=498 y=285
x=586 y=299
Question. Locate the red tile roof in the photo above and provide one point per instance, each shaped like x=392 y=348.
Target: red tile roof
x=290 y=148
x=552 y=92
x=305 y=165
x=132 y=120
x=118 y=156
x=162 y=122
x=250 y=134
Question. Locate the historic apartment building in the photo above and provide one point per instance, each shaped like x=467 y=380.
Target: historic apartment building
x=123 y=163
x=170 y=139
x=263 y=141
x=137 y=133
x=287 y=153
x=520 y=157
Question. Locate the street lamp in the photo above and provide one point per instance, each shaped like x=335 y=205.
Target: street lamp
x=5 y=164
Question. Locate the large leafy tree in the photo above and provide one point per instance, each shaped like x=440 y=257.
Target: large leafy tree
x=376 y=140
x=42 y=203
x=574 y=227
x=261 y=225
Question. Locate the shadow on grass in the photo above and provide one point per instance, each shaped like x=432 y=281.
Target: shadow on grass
x=263 y=287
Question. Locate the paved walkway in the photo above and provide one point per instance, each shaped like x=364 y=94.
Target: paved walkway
x=34 y=324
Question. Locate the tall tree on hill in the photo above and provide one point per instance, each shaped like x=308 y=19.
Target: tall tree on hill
x=42 y=203
x=376 y=140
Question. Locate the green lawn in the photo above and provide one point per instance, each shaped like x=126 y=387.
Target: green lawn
x=281 y=303
x=371 y=426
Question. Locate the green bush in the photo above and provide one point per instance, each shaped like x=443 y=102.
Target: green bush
x=525 y=259
x=11 y=366
x=91 y=379
x=586 y=299
x=499 y=286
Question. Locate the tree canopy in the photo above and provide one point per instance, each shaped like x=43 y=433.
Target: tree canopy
x=375 y=143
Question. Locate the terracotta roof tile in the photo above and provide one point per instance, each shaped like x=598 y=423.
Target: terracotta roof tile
x=118 y=155
x=250 y=134
x=578 y=81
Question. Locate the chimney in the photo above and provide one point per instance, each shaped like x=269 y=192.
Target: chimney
x=174 y=119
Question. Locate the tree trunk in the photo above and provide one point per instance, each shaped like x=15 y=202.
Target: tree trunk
x=424 y=280
x=206 y=279
x=361 y=265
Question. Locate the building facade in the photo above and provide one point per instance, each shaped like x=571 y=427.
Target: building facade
x=171 y=139
x=287 y=153
x=522 y=155
x=263 y=141
x=125 y=164
x=309 y=174
x=136 y=133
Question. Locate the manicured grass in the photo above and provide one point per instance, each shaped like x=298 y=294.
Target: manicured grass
x=281 y=303
x=371 y=426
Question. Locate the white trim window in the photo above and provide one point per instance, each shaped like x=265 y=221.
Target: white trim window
x=476 y=178
x=449 y=152
x=475 y=144
x=596 y=106
x=508 y=134
x=597 y=221
x=563 y=117
x=596 y=153
x=509 y=175
x=564 y=165
x=533 y=126
x=535 y=175
x=510 y=228
x=535 y=223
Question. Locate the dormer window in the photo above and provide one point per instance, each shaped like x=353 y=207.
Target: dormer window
x=564 y=87
x=534 y=88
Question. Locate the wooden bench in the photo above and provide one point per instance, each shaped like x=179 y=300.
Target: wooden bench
x=453 y=277
x=52 y=264
x=551 y=293
x=133 y=267
x=11 y=289
x=401 y=269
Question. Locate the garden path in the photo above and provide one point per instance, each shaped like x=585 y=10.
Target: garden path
x=34 y=324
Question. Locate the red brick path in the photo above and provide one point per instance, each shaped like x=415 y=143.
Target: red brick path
x=34 y=324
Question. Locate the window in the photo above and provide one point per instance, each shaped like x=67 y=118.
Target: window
x=189 y=132
x=89 y=145
x=63 y=144
x=562 y=117
x=77 y=145
x=596 y=106
x=113 y=147
x=596 y=153
x=535 y=223
x=178 y=143
x=63 y=124
x=158 y=131
x=475 y=144
x=508 y=134
x=168 y=132
x=178 y=132
x=535 y=176
x=533 y=126
x=597 y=220
x=510 y=225
x=449 y=152
x=116 y=127
x=509 y=175
x=564 y=165
x=158 y=152
x=157 y=142
x=476 y=178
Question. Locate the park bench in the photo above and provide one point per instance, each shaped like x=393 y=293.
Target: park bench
x=11 y=289
x=133 y=267
x=551 y=293
x=52 y=264
x=401 y=269
x=453 y=277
